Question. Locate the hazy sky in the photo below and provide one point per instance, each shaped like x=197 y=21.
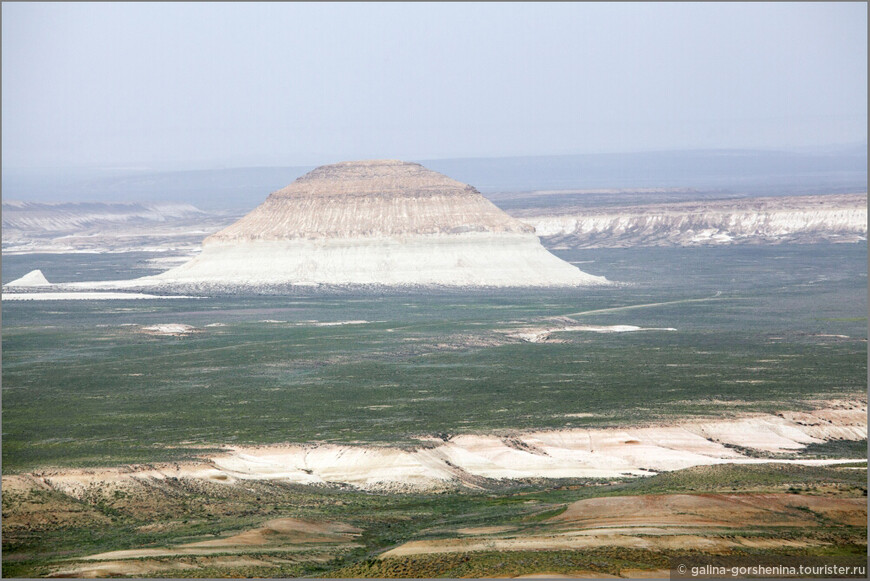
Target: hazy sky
x=204 y=84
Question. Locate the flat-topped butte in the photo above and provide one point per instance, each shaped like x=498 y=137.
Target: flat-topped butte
x=381 y=222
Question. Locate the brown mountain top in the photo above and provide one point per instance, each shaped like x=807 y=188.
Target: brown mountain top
x=376 y=198
x=368 y=177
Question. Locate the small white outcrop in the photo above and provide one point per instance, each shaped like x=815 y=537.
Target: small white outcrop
x=34 y=278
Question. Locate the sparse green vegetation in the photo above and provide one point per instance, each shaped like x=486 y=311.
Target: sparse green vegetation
x=44 y=529
x=608 y=561
x=507 y=564
x=84 y=386
x=837 y=449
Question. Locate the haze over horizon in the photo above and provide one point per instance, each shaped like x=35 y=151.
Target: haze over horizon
x=217 y=85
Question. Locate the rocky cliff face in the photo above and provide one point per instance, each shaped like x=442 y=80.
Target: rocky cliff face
x=757 y=220
x=30 y=227
x=377 y=222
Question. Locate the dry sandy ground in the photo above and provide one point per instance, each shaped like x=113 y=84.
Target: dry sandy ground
x=652 y=522
x=656 y=522
x=143 y=567
x=624 y=574
x=643 y=540
x=470 y=460
x=284 y=538
x=277 y=535
x=711 y=510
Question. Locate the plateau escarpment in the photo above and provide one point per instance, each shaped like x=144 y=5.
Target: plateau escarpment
x=821 y=218
x=34 y=227
x=377 y=222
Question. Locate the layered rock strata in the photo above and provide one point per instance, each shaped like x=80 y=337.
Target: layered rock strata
x=377 y=222
x=771 y=220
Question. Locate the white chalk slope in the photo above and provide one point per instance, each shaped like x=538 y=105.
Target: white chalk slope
x=34 y=278
x=837 y=218
x=474 y=461
x=377 y=222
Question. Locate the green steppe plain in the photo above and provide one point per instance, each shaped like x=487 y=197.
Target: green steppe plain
x=776 y=327
x=84 y=385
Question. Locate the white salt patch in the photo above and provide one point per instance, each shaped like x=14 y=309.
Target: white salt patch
x=170 y=329
x=613 y=328
x=84 y=296
x=542 y=334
